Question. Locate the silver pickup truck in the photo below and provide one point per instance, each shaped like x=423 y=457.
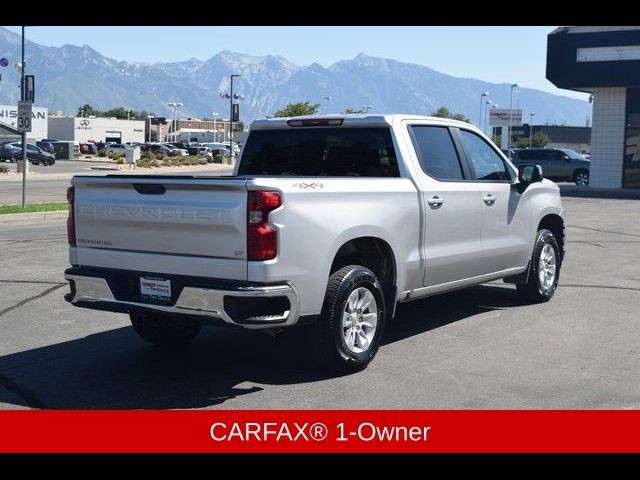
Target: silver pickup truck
x=327 y=223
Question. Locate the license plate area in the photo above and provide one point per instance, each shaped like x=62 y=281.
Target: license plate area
x=155 y=289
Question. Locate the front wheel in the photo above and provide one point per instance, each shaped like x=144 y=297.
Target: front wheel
x=544 y=269
x=158 y=331
x=581 y=177
x=347 y=336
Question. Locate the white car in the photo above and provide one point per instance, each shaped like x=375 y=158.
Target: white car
x=327 y=222
x=179 y=151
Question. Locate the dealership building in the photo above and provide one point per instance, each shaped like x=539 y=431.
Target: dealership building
x=82 y=130
x=605 y=62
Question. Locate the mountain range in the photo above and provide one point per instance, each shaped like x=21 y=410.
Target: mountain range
x=70 y=76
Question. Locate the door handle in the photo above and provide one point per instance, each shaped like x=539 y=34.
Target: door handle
x=489 y=199
x=435 y=201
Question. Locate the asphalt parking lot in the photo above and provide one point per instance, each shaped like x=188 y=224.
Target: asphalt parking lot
x=476 y=348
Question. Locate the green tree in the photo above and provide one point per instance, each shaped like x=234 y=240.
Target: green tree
x=444 y=112
x=538 y=140
x=297 y=109
x=85 y=110
x=497 y=139
x=353 y=110
x=154 y=136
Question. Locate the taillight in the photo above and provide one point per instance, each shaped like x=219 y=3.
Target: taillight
x=316 y=122
x=71 y=226
x=262 y=237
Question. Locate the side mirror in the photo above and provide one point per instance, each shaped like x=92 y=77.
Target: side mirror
x=530 y=174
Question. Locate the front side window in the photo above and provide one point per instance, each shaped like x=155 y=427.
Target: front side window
x=436 y=152
x=488 y=165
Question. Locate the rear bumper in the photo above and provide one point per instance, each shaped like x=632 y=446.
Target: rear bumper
x=245 y=305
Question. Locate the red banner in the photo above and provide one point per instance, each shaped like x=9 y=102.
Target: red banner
x=387 y=431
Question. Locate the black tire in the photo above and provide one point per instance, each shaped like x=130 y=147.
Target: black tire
x=534 y=291
x=578 y=177
x=326 y=336
x=161 y=332
x=15 y=158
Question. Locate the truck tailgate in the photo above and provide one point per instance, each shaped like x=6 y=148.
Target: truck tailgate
x=162 y=216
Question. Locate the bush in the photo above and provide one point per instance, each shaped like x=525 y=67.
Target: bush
x=144 y=163
x=120 y=161
x=102 y=152
x=146 y=155
x=160 y=156
x=4 y=169
x=155 y=163
x=166 y=163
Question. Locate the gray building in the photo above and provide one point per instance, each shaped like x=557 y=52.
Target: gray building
x=604 y=61
x=82 y=130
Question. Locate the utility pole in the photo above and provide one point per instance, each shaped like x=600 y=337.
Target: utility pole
x=23 y=97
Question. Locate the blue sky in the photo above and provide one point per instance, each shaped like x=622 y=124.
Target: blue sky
x=494 y=54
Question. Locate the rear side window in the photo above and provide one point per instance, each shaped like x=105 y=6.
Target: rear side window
x=320 y=151
x=436 y=152
x=488 y=165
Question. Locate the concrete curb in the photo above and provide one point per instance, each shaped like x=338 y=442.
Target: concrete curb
x=31 y=217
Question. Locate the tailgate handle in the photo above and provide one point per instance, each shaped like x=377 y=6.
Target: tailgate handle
x=149 y=188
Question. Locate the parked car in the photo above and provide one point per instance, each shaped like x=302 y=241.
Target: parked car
x=12 y=151
x=558 y=164
x=327 y=223
x=181 y=145
x=101 y=145
x=197 y=149
x=46 y=145
x=175 y=151
x=93 y=149
x=117 y=148
x=156 y=148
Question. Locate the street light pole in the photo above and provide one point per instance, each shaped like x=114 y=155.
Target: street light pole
x=175 y=106
x=215 y=130
x=324 y=104
x=488 y=103
x=23 y=94
x=482 y=95
x=513 y=85
x=530 y=127
x=149 y=117
x=232 y=154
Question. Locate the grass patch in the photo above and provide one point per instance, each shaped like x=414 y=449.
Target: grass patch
x=33 y=207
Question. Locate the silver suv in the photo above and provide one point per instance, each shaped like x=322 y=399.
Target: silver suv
x=558 y=164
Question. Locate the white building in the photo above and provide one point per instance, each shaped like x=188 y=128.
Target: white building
x=39 y=125
x=200 y=135
x=97 y=129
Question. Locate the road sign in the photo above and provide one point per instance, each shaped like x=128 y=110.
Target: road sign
x=24 y=116
x=503 y=117
x=30 y=88
x=236 y=112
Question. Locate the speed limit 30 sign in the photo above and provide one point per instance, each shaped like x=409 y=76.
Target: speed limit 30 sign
x=24 y=116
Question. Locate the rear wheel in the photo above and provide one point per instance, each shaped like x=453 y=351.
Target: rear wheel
x=581 y=177
x=15 y=158
x=159 y=331
x=544 y=269
x=347 y=336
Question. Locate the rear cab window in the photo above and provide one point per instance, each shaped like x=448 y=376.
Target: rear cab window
x=320 y=151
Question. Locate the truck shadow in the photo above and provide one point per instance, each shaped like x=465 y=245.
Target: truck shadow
x=116 y=370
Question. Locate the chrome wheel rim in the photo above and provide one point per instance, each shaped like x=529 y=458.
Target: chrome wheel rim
x=547 y=267
x=360 y=320
x=582 y=179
